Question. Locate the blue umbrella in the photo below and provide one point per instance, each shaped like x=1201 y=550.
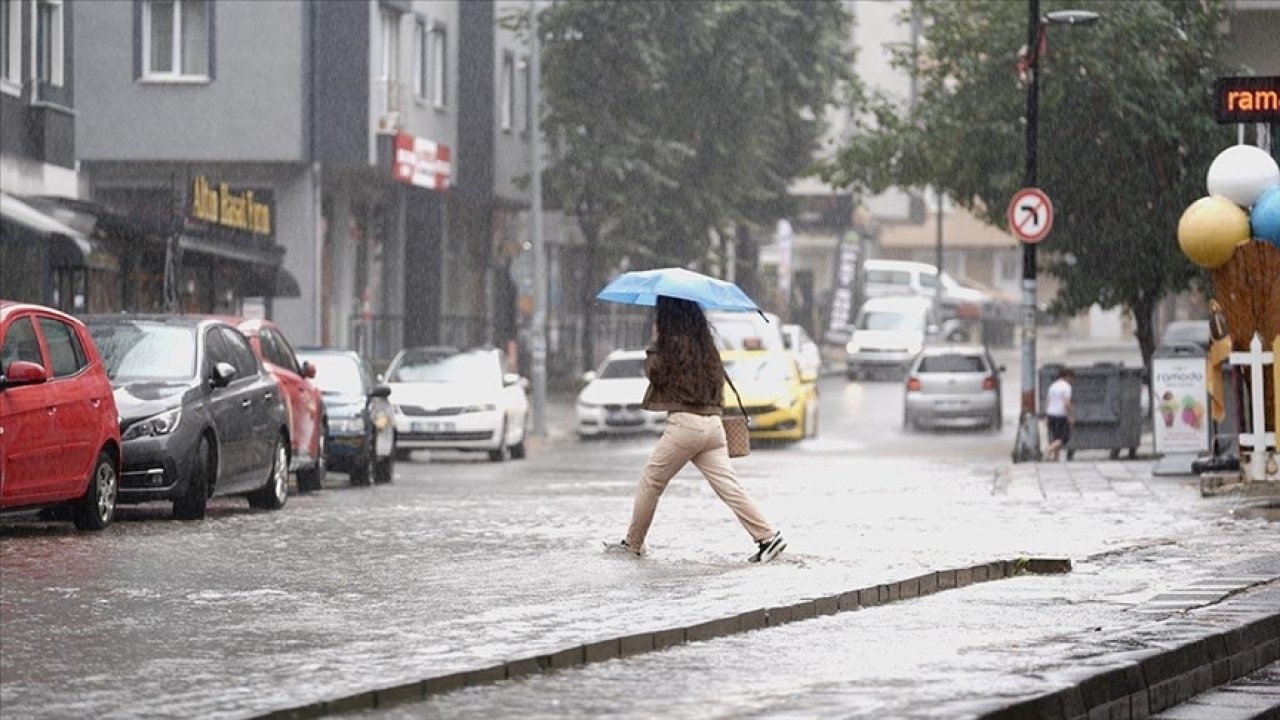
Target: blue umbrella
x=643 y=287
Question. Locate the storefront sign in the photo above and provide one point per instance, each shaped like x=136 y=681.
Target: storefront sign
x=421 y=162
x=1178 y=401
x=237 y=210
x=1247 y=99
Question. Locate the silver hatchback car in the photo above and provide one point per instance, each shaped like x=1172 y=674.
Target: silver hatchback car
x=953 y=384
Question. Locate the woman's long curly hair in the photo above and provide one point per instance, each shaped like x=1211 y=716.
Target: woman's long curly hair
x=687 y=351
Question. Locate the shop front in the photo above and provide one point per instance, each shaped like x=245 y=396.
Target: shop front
x=203 y=247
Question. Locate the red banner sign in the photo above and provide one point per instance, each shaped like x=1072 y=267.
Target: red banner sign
x=422 y=162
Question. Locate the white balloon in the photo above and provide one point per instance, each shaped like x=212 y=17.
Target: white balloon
x=1241 y=172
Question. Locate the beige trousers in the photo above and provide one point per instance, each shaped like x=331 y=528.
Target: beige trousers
x=700 y=439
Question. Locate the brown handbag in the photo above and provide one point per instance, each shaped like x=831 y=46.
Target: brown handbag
x=737 y=429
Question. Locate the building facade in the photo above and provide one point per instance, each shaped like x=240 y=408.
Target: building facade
x=310 y=140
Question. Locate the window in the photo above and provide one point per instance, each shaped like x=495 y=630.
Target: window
x=49 y=42
x=215 y=349
x=175 y=37
x=277 y=351
x=421 y=63
x=953 y=364
x=507 y=91
x=526 y=92
x=20 y=344
x=245 y=361
x=437 y=52
x=389 y=66
x=11 y=42
x=145 y=351
x=65 y=352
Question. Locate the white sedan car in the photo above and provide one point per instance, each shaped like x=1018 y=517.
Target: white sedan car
x=450 y=400
x=610 y=403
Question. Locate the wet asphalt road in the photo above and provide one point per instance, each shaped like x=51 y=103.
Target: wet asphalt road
x=461 y=563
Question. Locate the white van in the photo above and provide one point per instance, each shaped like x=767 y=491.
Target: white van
x=888 y=333
x=890 y=278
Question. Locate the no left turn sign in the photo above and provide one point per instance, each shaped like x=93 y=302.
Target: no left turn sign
x=1030 y=215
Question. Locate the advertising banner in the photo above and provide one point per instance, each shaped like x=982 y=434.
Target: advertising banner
x=842 y=290
x=1178 y=404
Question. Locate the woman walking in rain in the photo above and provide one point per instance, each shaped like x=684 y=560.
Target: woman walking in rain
x=686 y=379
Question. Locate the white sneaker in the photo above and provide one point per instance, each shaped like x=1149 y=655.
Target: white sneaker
x=768 y=549
x=621 y=546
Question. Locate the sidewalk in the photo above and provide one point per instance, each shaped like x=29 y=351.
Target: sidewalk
x=1090 y=512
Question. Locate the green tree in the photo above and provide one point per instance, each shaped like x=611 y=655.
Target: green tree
x=670 y=119
x=1126 y=133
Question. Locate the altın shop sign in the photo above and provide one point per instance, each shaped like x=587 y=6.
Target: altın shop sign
x=421 y=162
x=222 y=206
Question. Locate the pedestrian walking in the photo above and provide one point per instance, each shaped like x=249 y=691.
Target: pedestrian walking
x=1060 y=412
x=686 y=379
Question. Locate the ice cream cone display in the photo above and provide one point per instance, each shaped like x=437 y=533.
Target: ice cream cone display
x=1235 y=234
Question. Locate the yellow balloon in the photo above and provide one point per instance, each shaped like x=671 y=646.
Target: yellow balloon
x=1211 y=229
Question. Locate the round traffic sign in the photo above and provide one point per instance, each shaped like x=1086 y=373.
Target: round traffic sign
x=1030 y=215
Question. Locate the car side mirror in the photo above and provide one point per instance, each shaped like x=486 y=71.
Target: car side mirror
x=808 y=377
x=1000 y=369
x=21 y=372
x=380 y=391
x=222 y=375
x=308 y=370
x=932 y=330
x=588 y=377
x=510 y=379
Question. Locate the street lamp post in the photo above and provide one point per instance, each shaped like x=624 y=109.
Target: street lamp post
x=1027 y=445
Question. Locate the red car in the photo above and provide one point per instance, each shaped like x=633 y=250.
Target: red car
x=302 y=399
x=59 y=431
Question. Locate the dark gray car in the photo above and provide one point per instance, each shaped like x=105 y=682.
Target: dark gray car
x=199 y=416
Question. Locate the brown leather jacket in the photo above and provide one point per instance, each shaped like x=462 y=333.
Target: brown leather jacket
x=674 y=391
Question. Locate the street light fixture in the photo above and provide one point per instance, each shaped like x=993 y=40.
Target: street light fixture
x=1027 y=444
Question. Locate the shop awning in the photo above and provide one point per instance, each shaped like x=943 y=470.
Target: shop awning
x=67 y=246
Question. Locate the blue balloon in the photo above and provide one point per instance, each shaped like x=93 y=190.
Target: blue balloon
x=1265 y=217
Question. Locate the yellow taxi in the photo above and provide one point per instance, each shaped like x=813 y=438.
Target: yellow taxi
x=781 y=402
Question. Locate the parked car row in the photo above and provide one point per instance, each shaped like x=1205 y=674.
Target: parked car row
x=133 y=408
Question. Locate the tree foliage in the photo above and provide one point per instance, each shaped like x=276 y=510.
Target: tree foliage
x=1126 y=133
x=669 y=119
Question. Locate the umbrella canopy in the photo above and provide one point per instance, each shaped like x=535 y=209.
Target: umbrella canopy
x=644 y=286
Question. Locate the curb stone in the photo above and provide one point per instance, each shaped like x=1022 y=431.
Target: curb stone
x=610 y=648
x=1142 y=683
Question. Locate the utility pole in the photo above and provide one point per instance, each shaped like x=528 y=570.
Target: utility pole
x=539 y=246
x=1027 y=445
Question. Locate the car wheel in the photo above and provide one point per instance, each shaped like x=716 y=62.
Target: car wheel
x=95 y=510
x=518 y=451
x=503 y=452
x=192 y=504
x=384 y=470
x=312 y=478
x=273 y=495
x=362 y=471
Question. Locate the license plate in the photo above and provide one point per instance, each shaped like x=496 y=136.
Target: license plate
x=952 y=406
x=432 y=427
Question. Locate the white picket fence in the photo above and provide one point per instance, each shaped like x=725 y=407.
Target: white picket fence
x=1260 y=443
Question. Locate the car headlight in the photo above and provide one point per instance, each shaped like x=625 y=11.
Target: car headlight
x=786 y=401
x=853 y=348
x=587 y=405
x=162 y=424
x=913 y=348
x=483 y=407
x=347 y=425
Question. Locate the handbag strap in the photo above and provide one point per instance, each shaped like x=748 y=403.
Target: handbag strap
x=739 y=398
